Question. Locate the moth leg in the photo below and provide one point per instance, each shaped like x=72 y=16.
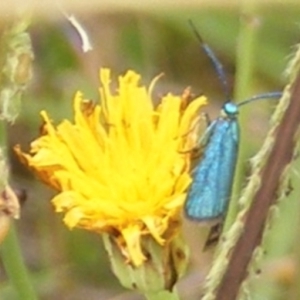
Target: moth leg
x=200 y=143
x=206 y=118
x=192 y=134
x=213 y=236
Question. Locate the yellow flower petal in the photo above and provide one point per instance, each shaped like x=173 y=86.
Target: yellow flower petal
x=119 y=167
x=132 y=236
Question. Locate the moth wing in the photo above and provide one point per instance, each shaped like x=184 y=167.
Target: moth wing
x=212 y=178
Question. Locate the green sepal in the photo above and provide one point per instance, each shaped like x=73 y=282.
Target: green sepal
x=161 y=270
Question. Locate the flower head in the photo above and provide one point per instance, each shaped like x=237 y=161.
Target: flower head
x=119 y=167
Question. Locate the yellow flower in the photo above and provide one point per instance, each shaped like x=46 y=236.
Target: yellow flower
x=120 y=167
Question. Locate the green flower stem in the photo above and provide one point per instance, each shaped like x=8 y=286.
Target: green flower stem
x=15 y=65
x=244 y=74
x=15 y=268
x=11 y=254
x=163 y=295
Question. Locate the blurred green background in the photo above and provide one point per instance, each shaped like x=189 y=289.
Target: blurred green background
x=72 y=264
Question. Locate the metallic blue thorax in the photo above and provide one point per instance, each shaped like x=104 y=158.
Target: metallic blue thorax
x=210 y=190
